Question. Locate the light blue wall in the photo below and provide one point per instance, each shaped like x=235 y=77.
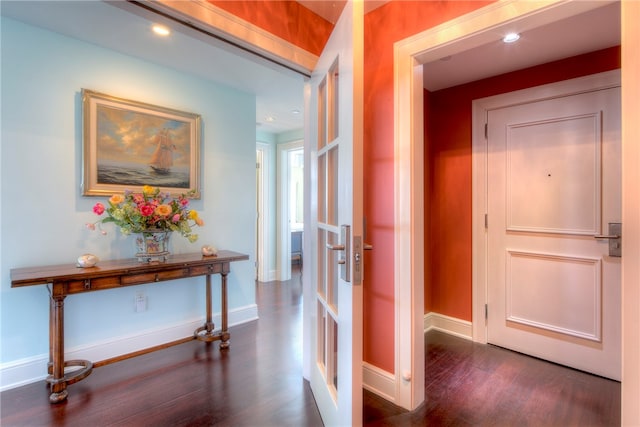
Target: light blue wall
x=43 y=213
x=290 y=136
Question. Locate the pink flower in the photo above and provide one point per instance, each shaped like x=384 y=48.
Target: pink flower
x=91 y=226
x=184 y=202
x=98 y=209
x=147 y=210
x=176 y=218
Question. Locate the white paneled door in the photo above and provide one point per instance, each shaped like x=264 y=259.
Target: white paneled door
x=334 y=297
x=554 y=186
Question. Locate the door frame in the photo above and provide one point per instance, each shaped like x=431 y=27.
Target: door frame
x=263 y=193
x=480 y=108
x=466 y=32
x=283 y=228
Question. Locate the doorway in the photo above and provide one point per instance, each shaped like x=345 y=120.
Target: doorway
x=449 y=38
x=290 y=190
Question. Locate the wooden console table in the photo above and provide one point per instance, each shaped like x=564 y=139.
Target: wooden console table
x=67 y=279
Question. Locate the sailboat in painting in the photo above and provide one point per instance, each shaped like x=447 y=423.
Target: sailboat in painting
x=162 y=158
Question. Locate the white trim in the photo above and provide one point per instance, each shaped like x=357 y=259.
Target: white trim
x=450 y=325
x=25 y=371
x=264 y=254
x=465 y=32
x=630 y=213
x=480 y=109
x=409 y=230
x=283 y=228
x=206 y=16
x=378 y=381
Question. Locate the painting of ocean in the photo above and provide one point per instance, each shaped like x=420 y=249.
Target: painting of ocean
x=136 y=174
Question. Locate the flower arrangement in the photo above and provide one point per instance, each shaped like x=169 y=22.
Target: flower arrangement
x=148 y=211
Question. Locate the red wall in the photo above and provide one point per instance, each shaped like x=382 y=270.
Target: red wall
x=384 y=26
x=286 y=19
x=448 y=174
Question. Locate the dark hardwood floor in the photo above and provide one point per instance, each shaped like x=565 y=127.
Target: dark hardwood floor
x=471 y=384
x=258 y=382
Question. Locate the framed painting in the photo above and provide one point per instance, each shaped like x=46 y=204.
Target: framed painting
x=129 y=144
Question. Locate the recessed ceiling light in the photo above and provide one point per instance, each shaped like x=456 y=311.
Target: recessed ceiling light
x=269 y=119
x=511 y=37
x=161 y=30
x=295 y=111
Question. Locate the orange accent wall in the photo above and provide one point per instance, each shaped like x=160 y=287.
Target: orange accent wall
x=384 y=26
x=286 y=19
x=448 y=190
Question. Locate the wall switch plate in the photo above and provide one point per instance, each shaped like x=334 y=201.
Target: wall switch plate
x=141 y=302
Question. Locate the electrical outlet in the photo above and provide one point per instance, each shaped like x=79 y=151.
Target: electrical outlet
x=140 y=302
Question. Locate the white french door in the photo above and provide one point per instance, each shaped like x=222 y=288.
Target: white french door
x=333 y=298
x=554 y=186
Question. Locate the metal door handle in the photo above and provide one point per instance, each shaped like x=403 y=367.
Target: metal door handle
x=335 y=247
x=614 y=237
x=367 y=247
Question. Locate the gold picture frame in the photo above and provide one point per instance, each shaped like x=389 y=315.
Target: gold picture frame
x=129 y=144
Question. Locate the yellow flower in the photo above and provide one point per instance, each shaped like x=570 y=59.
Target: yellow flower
x=193 y=214
x=163 y=210
x=116 y=199
x=148 y=190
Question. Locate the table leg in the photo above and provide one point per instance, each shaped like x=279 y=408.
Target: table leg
x=58 y=380
x=205 y=332
x=209 y=324
x=224 y=343
x=56 y=347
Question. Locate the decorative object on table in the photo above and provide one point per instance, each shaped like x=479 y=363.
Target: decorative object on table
x=153 y=215
x=87 y=260
x=129 y=143
x=153 y=245
x=208 y=250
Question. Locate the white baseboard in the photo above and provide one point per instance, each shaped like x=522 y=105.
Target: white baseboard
x=25 y=371
x=449 y=325
x=379 y=381
x=383 y=383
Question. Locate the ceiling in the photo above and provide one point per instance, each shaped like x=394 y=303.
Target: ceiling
x=279 y=91
x=589 y=31
x=330 y=10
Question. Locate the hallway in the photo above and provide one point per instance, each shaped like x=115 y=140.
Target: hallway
x=258 y=382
